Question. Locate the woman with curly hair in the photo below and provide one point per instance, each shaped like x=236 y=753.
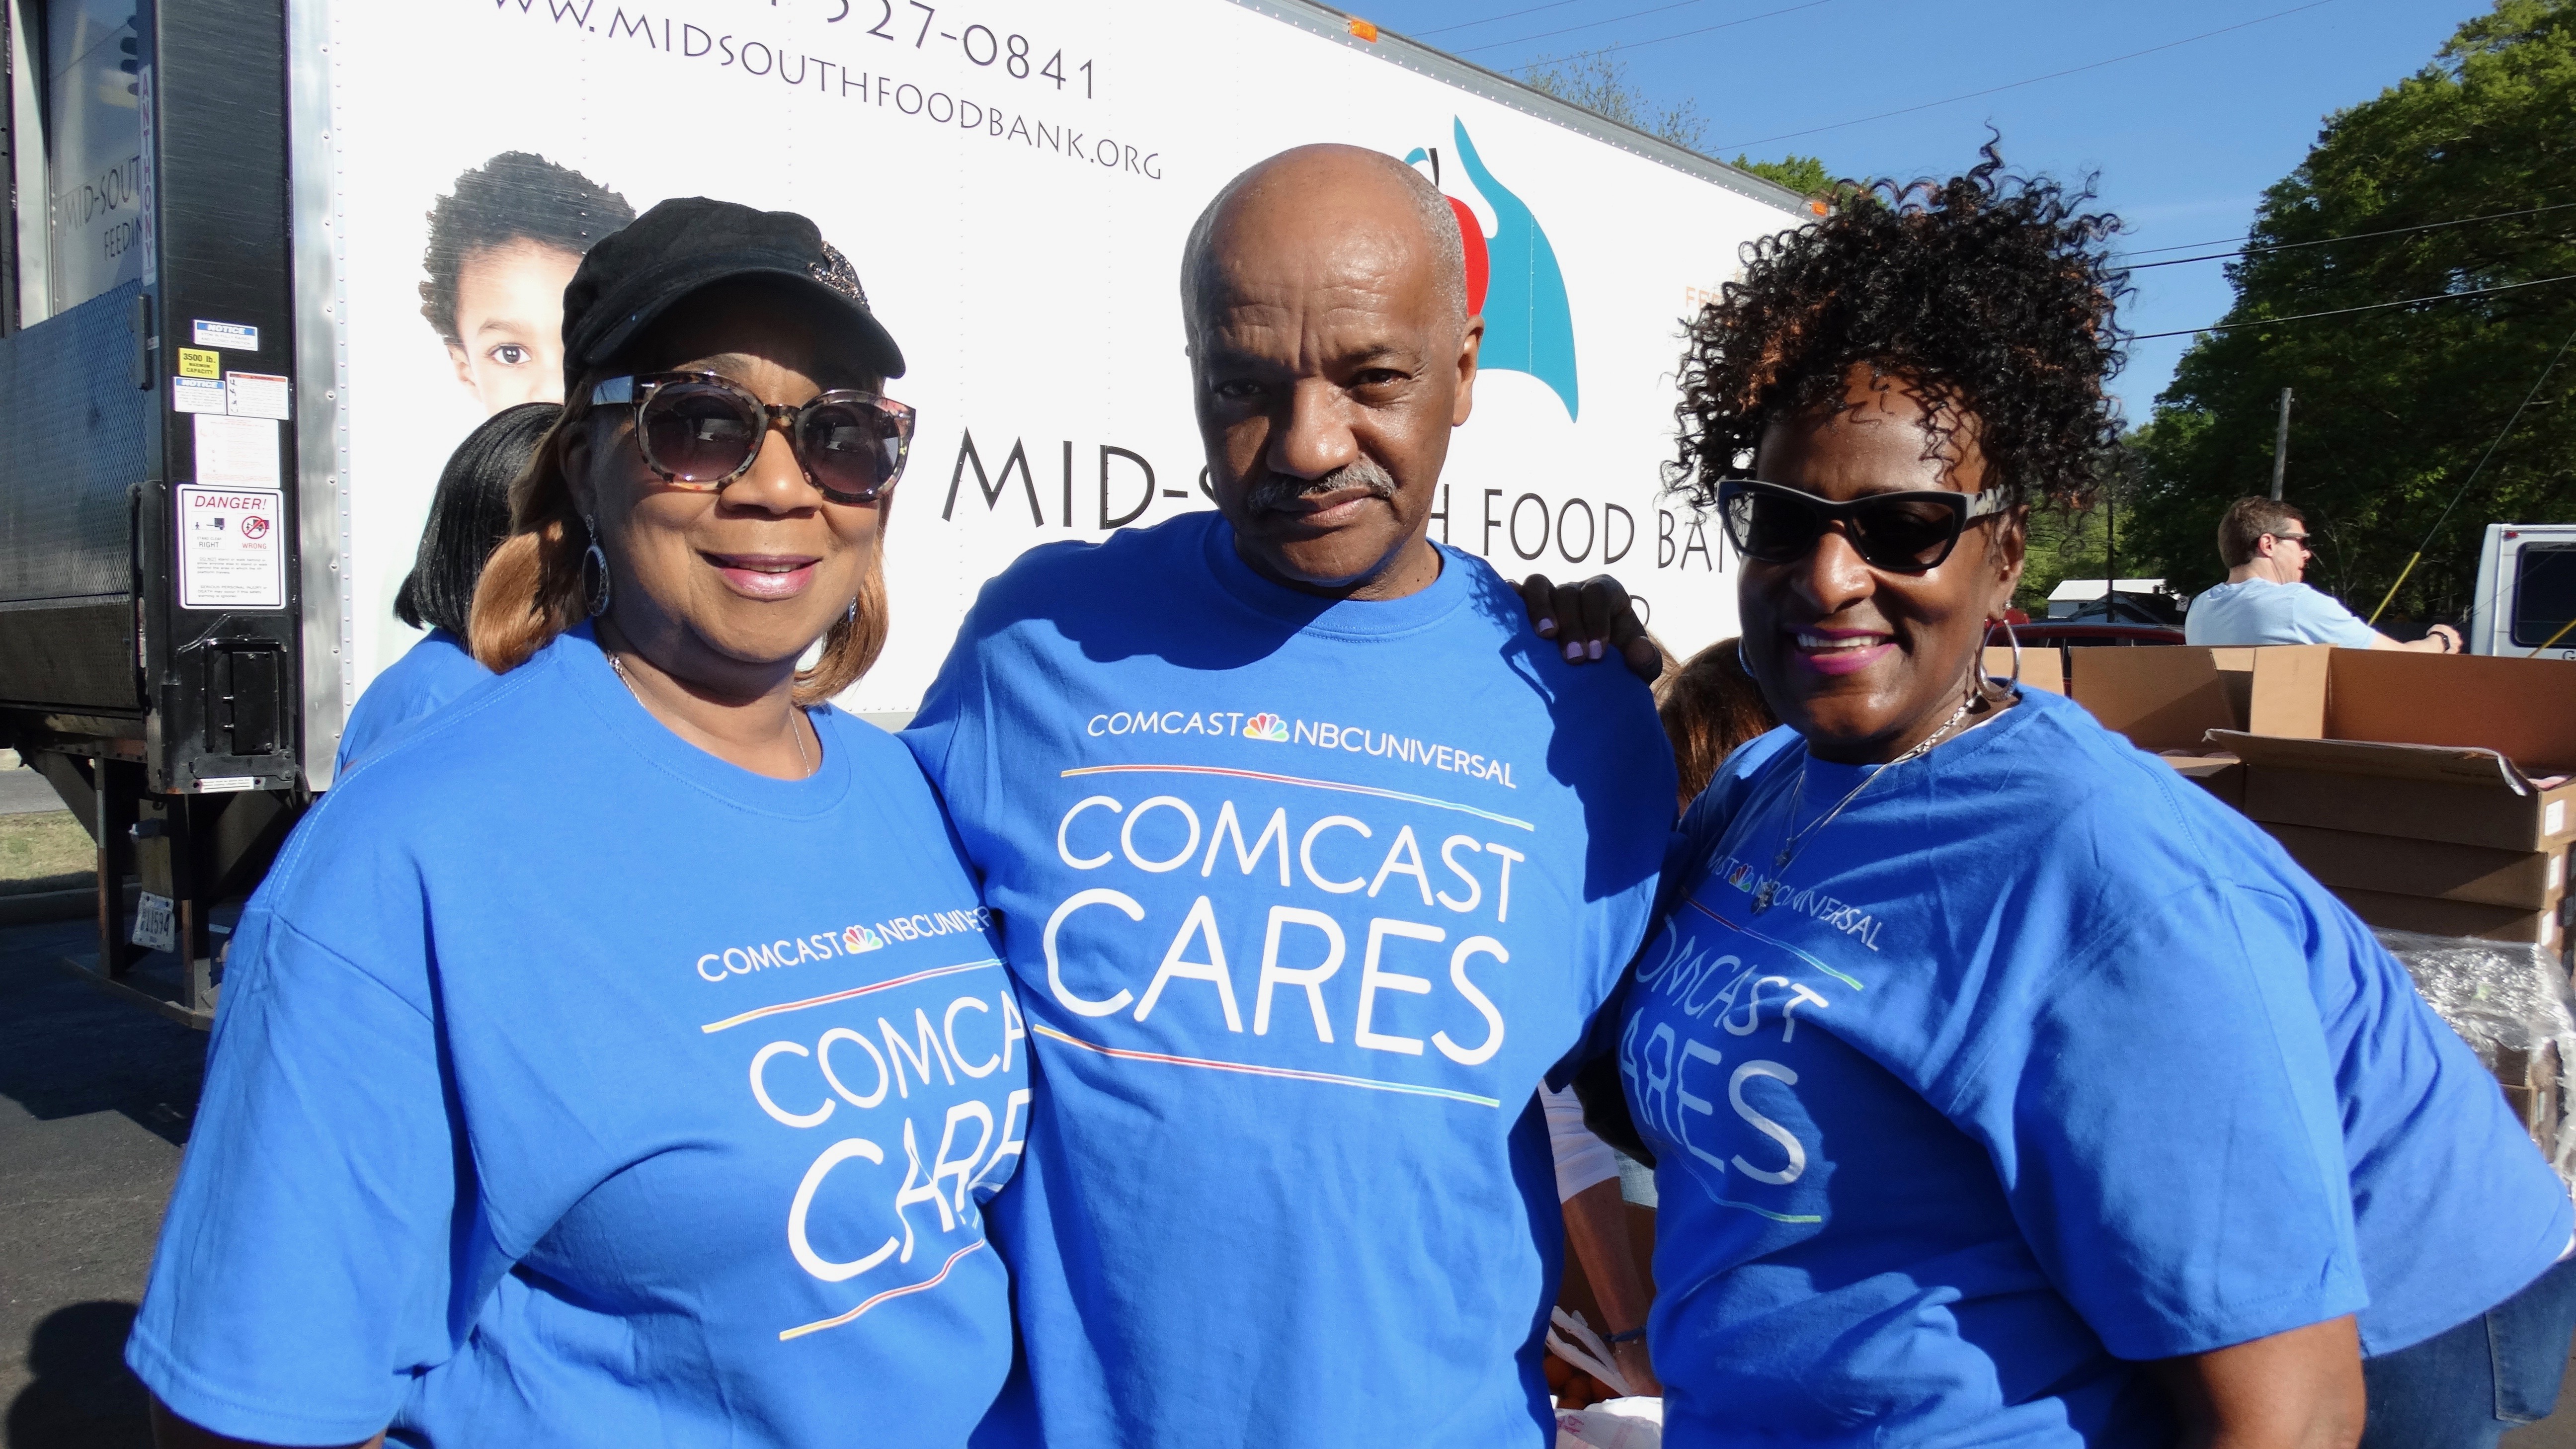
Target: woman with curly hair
x=2004 y=1087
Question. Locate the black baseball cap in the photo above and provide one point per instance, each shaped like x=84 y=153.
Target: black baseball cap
x=637 y=273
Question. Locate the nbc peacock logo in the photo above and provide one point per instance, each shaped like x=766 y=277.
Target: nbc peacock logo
x=1512 y=277
x=1265 y=727
x=860 y=938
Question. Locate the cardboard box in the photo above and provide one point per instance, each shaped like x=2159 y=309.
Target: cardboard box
x=2165 y=697
x=2530 y=1079
x=2166 y=700
x=2221 y=775
x=2041 y=667
x=2465 y=749
x=2351 y=859
x=2451 y=918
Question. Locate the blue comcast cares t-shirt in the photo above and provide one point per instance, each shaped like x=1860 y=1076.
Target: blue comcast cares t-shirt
x=1303 y=899
x=2041 y=1060
x=572 y=1086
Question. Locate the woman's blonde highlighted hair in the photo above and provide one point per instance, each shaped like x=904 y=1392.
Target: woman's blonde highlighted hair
x=532 y=589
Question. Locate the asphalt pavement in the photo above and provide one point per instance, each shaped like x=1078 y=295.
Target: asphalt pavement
x=96 y=1099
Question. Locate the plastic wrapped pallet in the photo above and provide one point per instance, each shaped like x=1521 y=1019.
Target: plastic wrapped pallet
x=1612 y=1424
x=2510 y=1003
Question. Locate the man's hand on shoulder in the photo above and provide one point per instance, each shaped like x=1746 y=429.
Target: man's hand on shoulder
x=1592 y=619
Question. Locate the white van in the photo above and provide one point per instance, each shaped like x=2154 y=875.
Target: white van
x=2526 y=599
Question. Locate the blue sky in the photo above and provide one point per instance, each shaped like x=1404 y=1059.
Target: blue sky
x=2185 y=139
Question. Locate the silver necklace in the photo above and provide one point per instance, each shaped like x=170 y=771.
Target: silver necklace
x=617 y=666
x=1797 y=839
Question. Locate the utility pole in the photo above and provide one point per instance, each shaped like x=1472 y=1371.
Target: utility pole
x=2111 y=552
x=2281 y=446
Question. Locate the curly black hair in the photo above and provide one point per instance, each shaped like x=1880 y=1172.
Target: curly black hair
x=1990 y=293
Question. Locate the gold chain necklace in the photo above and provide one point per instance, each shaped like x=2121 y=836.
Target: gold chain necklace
x=1796 y=841
x=617 y=666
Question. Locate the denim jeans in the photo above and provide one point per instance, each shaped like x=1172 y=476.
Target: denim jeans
x=2462 y=1388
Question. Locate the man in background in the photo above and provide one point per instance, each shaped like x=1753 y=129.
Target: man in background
x=2265 y=544
x=501 y=247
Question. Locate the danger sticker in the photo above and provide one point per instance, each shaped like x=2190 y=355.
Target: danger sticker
x=232 y=547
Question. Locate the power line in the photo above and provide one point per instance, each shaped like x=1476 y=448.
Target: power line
x=2473 y=477
x=1702 y=30
x=1490 y=19
x=2015 y=85
x=1586 y=25
x=2326 y=240
x=2340 y=311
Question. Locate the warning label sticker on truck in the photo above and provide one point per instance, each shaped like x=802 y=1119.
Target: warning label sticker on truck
x=232 y=547
x=239 y=335
x=237 y=451
x=255 y=395
x=196 y=395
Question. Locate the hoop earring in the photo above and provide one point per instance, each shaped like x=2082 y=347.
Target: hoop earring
x=2014 y=640
x=1740 y=661
x=596 y=595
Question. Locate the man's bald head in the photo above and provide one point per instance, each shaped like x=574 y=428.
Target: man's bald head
x=1333 y=191
x=1331 y=354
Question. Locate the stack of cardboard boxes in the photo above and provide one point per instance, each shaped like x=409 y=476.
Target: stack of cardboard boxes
x=2430 y=792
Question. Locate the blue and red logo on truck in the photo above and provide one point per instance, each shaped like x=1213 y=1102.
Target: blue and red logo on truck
x=1512 y=278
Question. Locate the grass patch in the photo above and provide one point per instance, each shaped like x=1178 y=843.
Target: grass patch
x=45 y=852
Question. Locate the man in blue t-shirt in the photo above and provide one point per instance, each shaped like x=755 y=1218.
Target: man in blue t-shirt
x=2265 y=544
x=1313 y=861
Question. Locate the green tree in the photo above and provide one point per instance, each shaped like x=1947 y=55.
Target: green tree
x=1598 y=82
x=1805 y=175
x=2393 y=406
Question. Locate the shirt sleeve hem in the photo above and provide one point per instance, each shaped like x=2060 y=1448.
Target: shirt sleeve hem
x=2241 y=1325
x=191 y=1397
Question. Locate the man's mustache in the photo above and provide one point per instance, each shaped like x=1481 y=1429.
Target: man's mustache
x=1278 y=490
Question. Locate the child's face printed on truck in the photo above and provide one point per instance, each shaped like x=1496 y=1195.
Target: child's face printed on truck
x=509 y=323
x=1330 y=365
x=722 y=589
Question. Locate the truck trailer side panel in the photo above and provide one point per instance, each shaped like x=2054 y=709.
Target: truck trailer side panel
x=1013 y=181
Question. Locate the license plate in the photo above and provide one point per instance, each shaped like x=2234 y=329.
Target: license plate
x=155 y=923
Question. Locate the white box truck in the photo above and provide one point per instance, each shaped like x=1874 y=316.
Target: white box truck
x=272 y=259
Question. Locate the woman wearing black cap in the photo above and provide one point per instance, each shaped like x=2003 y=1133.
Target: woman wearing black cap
x=621 y=1056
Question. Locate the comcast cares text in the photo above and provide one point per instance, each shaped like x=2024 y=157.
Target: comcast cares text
x=912 y=1090
x=1282 y=922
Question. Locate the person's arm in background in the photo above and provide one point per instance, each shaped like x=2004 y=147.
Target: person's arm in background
x=169 y=1431
x=2318 y=616
x=2442 y=639
x=1596 y=1230
x=2296 y=1390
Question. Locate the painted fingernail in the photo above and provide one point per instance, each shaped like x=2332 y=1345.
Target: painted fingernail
x=1595 y=649
x=1547 y=628
x=1573 y=649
